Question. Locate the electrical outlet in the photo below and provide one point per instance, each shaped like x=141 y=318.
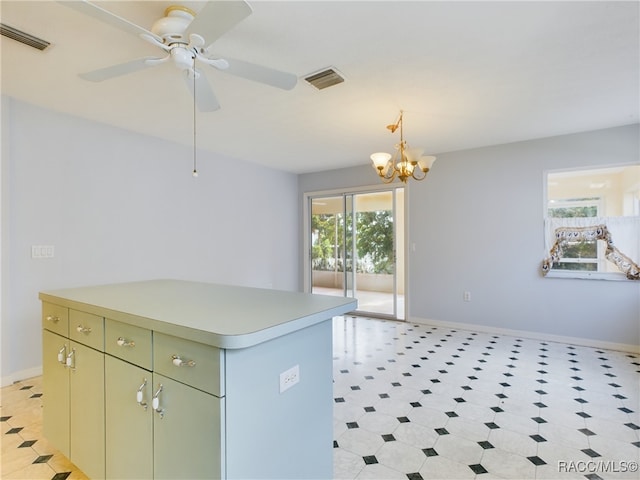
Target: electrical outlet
x=466 y=296
x=289 y=378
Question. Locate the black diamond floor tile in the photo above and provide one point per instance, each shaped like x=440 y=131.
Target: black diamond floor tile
x=43 y=459
x=536 y=461
x=370 y=459
x=61 y=476
x=478 y=469
x=593 y=476
x=430 y=452
x=591 y=453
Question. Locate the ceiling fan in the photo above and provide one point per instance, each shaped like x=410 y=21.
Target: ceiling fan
x=187 y=37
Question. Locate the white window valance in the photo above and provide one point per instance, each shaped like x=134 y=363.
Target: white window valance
x=560 y=231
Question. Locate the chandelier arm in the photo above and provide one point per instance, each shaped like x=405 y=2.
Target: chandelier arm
x=387 y=178
x=413 y=175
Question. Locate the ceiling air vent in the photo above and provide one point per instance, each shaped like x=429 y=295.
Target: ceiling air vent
x=325 y=78
x=23 y=37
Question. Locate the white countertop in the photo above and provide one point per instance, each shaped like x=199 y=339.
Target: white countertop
x=220 y=315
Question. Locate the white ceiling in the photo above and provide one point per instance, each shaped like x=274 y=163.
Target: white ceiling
x=467 y=74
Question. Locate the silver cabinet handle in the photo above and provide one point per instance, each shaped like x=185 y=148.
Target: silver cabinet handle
x=179 y=362
x=140 y=395
x=155 y=403
x=53 y=318
x=71 y=359
x=81 y=329
x=123 y=342
x=62 y=354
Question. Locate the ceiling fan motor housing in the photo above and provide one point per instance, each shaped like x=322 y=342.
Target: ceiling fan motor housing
x=172 y=26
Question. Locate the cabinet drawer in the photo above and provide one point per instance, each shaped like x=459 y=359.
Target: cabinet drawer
x=192 y=363
x=87 y=329
x=55 y=318
x=128 y=342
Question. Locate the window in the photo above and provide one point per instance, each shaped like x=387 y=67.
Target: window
x=592 y=223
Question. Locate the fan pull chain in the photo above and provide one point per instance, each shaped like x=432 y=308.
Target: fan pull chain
x=195 y=169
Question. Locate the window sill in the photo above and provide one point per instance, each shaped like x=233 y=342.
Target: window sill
x=617 y=277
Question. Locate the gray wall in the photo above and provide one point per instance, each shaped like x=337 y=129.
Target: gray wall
x=477 y=224
x=118 y=207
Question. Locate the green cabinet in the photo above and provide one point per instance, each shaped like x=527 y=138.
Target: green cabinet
x=73 y=385
x=161 y=426
x=55 y=384
x=187 y=434
x=128 y=420
x=86 y=387
x=169 y=379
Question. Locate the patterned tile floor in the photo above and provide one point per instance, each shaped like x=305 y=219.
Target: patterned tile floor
x=26 y=454
x=418 y=402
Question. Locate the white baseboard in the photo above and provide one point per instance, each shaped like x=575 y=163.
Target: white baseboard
x=19 y=376
x=585 y=342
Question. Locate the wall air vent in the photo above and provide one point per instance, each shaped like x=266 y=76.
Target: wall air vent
x=325 y=78
x=23 y=37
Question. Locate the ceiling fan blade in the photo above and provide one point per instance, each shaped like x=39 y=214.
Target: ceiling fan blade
x=261 y=74
x=106 y=16
x=120 y=69
x=204 y=97
x=218 y=17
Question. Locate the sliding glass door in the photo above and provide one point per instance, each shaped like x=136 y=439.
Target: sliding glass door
x=356 y=243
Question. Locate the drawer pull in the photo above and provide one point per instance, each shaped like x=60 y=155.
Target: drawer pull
x=123 y=342
x=81 y=329
x=52 y=318
x=179 y=362
x=155 y=403
x=140 y=395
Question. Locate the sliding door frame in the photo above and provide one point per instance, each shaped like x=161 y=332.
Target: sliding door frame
x=306 y=240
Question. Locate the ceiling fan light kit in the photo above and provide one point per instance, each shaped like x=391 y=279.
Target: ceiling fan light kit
x=405 y=164
x=175 y=21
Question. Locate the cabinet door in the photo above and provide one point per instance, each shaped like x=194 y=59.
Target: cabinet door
x=187 y=434
x=87 y=410
x=129 y=420
x=55 y=385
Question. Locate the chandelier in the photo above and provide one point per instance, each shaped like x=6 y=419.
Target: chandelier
x=406 y=163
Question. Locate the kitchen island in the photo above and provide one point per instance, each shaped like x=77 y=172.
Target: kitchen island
x=177 y=379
